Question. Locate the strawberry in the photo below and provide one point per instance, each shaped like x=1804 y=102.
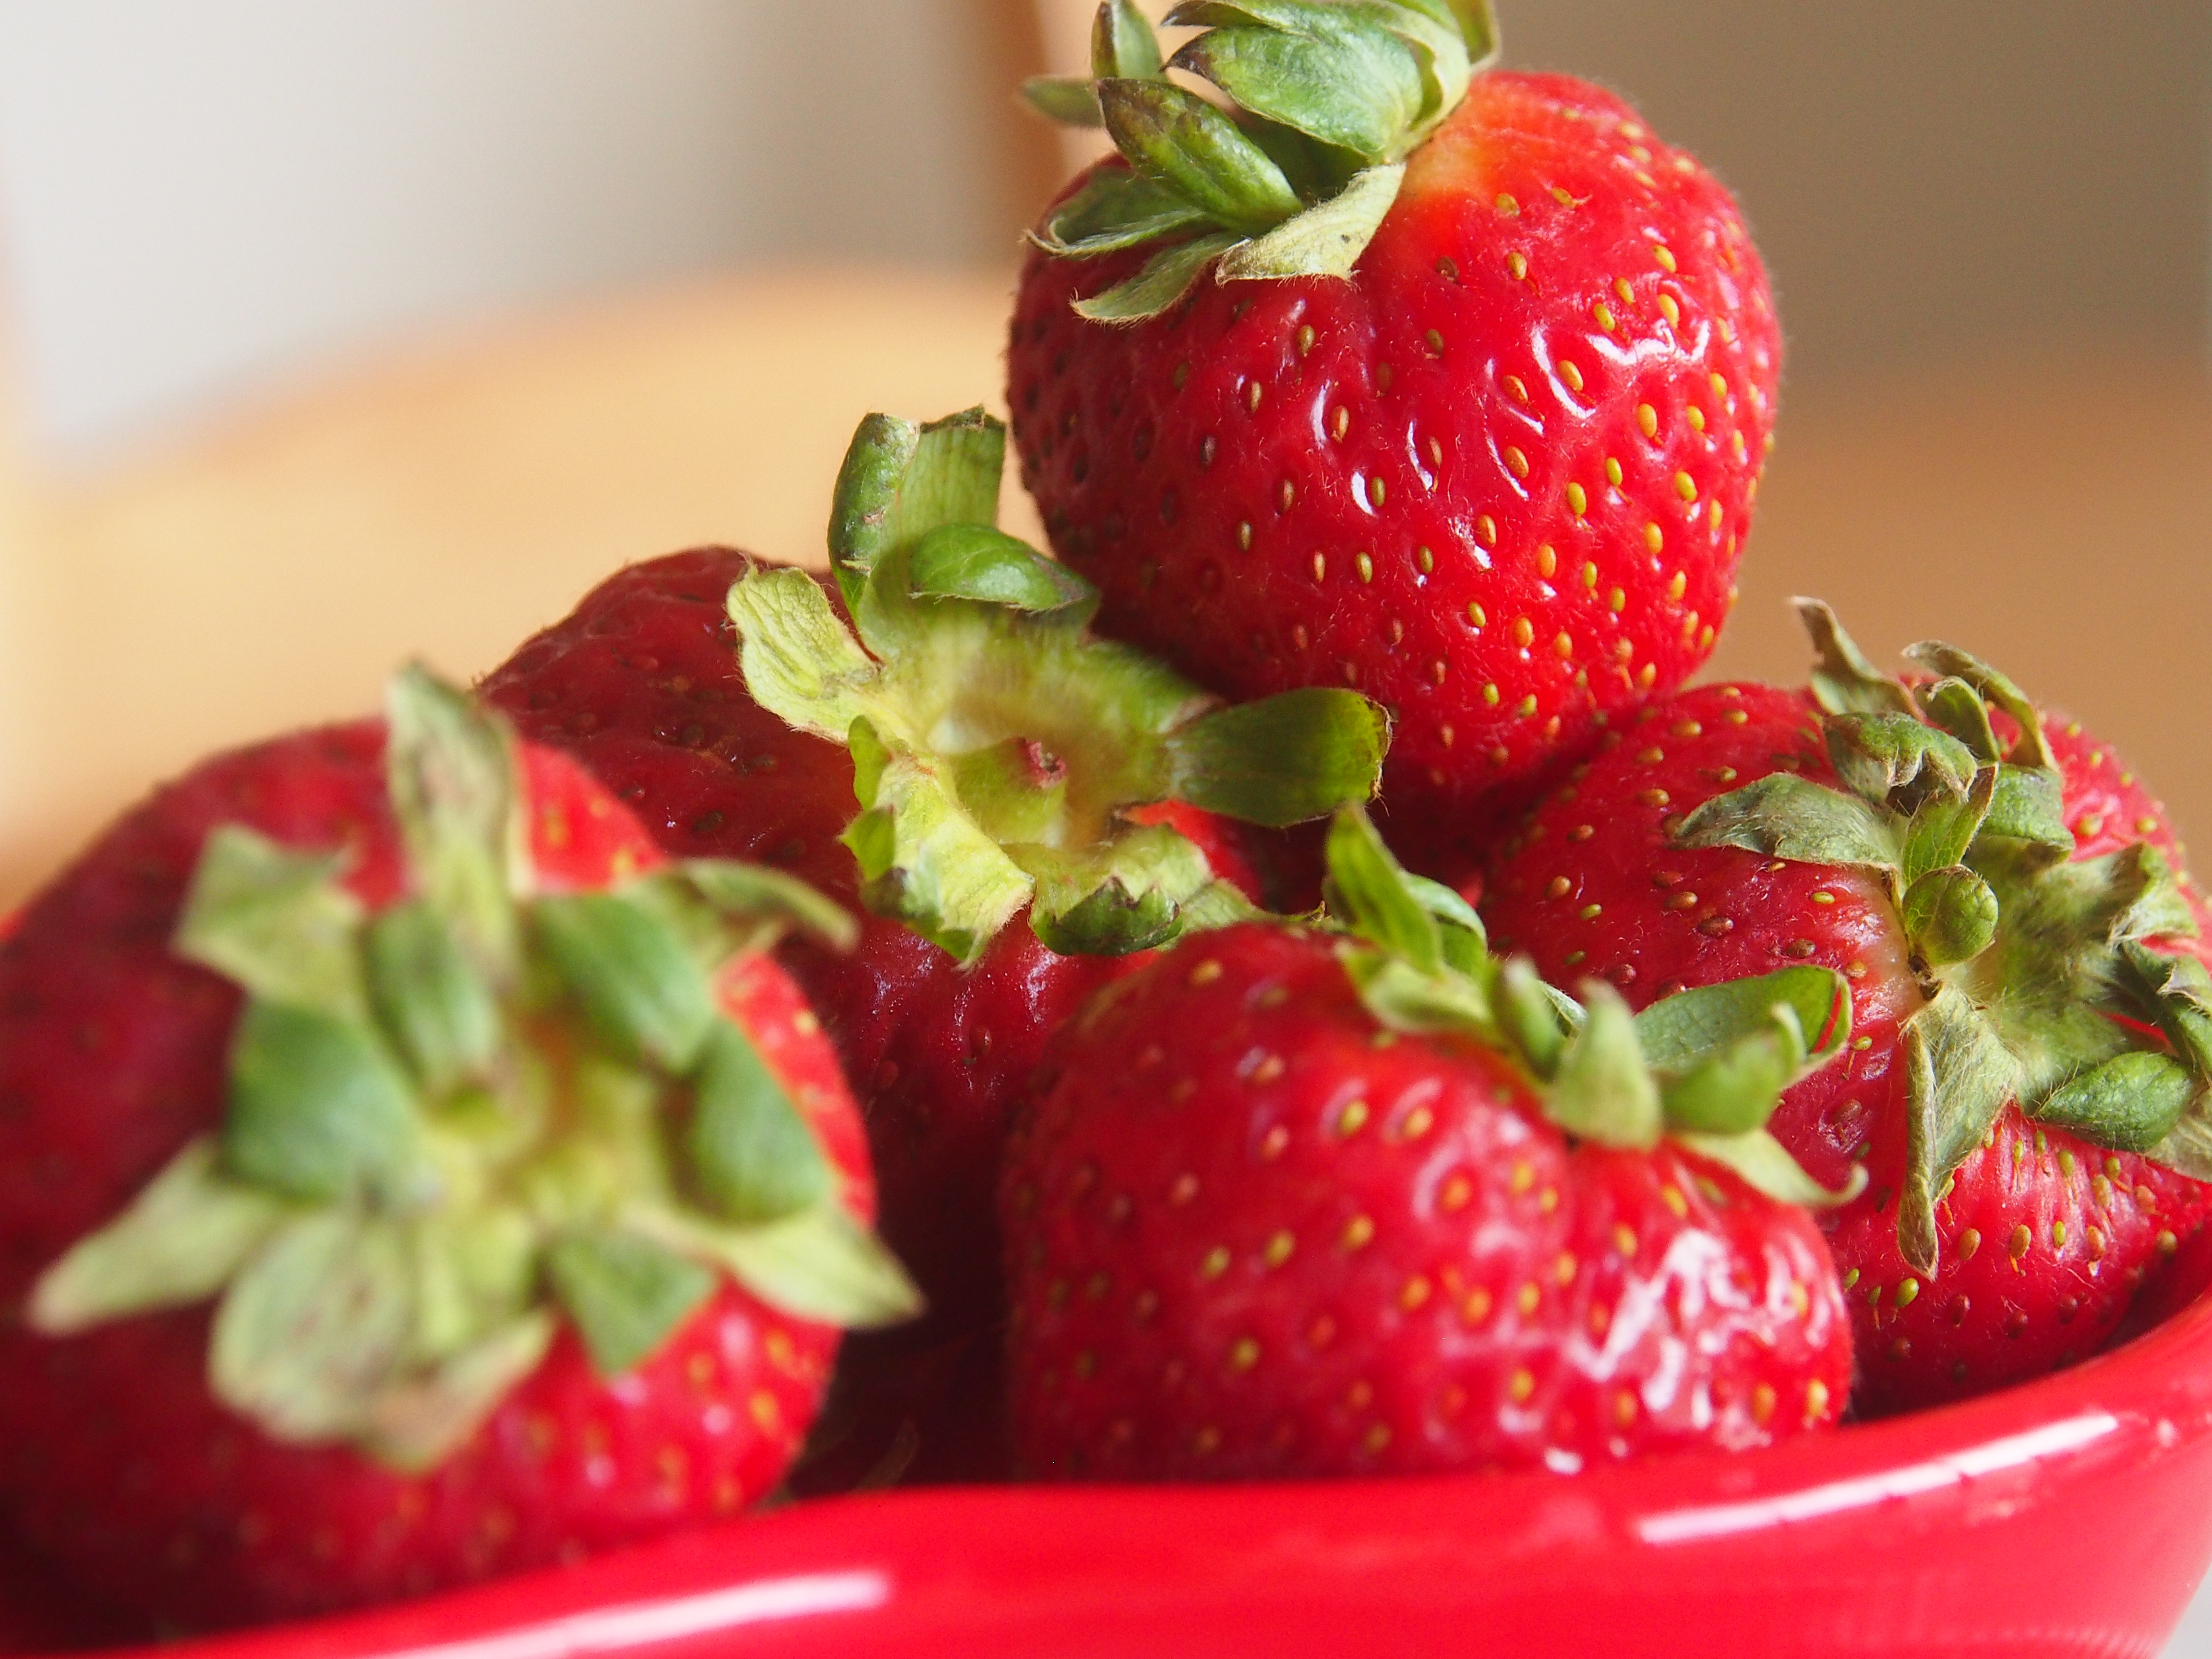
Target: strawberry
x=1033 y=806
x=2026 y=1086
x=1469 y=414
x=407 y=1174
x=1291 y=1204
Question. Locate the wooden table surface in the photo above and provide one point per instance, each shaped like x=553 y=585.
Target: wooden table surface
x=445 y=500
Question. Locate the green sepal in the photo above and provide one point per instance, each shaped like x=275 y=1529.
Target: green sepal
x=995 y=744
x=1949 y=662
x=1282 y=760
x=1149 y=884
x=313 y=1343
x=1113 y=209
x=820 y=1264
x=975 y=562
x=1602 y=1090
x=2156 y=908
x=450 y=773
x=752 y=892
x=1958 y=709
x=1950 y=915
x=1109 y=921
x=1679 y=1033
x=1122 y=43
x=900 y=480
x=1843 y=681
x=632 y=972
x=1366 y=890
x=316 y=1323
x=1416 y=954
x=1736 y=1092
x=276 y=922
x=1473 y=22
x=1405 y=999
x=929 y=864
x=1724 y=1054
x=1166 y=277
x=1958 y=1076
x=753 y=1151
x=319 y=1110
x=1072 y=100
x=1877 y=755
x=2027 y=807
x=1709 y=1063
x=800 y=661
x=2187 y=1148
x=430 y=998
x=1326 y=241
x=2130 y=1104
x=1178 y=140
x=1361 y=90
x=1530 y=1014
x=1764 y=1164
x=1329 y=99
x=720 y=908
x=1939 y=834
x=1459 y=926
x=626 y=1295
x=180 y=1242
x=1786 y=817
x=475 y=1270
x=415 y=1422
x=2175 y=992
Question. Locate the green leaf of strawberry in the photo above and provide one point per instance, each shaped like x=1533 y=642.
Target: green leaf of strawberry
x=997 y=747
x=1330 y=100
x=1707 y=1065
x=2019 y=946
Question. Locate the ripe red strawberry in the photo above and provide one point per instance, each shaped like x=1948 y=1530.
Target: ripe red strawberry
x=1297 y=1205
x=407 y=1174
x=2000 y=892
x=1089 y=765
x=1491 y=461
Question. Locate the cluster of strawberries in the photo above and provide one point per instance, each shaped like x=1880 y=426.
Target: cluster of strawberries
x=455 y=1142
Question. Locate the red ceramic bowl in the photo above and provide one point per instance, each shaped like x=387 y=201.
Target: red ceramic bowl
x=2070 y=1516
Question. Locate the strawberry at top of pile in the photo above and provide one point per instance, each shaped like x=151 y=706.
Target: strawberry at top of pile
x=1449 y=384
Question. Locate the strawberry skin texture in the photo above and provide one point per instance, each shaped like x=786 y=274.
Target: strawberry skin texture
x=2044 y=1238
x=117 y=1464
x=1402 y=482
x=1250 y=1233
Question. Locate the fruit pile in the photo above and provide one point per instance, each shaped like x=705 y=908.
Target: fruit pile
x=1291 y=985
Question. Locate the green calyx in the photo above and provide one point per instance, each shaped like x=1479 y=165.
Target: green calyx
x=483 y=1110
x=1329 y=98
x=1703 y=1068
x=2029 y=960
x=999 y=750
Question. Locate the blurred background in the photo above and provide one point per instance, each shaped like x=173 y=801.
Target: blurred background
x=331 y=332
x=334 y=332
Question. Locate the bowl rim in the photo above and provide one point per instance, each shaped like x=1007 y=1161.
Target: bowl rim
x=2101 y=1418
